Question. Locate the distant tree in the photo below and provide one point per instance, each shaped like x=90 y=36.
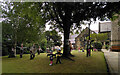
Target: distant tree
x=116 y=16
x=19 y=28
x=53 y=38
x=67 y=16
x=100 y=37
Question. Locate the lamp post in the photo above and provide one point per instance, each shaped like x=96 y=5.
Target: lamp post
x=89 y=29
x=84 y=40
x=88 y=42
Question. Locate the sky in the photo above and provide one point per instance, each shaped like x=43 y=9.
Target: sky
x=93 y=26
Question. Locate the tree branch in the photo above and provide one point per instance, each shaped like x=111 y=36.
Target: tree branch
x=57 y=18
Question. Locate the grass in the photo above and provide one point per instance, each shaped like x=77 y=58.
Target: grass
x=82 y=64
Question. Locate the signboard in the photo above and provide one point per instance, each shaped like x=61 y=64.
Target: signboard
x=104 y=27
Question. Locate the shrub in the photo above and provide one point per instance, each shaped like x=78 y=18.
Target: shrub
x=26 y=52
x=106 y=46
x=43 y=48
x=4 y=52
x=6 y=48
x=98 y=45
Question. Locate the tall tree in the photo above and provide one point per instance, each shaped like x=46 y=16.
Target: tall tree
x=100 y=37
x=68 y=16
x=53 y=38
x=17 y=27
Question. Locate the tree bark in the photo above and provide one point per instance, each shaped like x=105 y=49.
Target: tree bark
x=66 y=51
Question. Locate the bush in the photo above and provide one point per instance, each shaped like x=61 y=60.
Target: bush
x=43 y=48
x=6 y=48
x=26 y=52
x=98 y=45
x=106 y=46
x=4 y=51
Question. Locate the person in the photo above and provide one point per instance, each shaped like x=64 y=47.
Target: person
x=88 y=48
x=47 y=50
x=51 y=57
x=70 y=45
x=12 y=53
x=79 y=49
x=52 y=48
x=21 y=50
x=32 y=52
x=92 y=47
x=82 y=49
x=57 y=48
x=10 y=47
x=39 y=50
x=31 y=56
x=59 y=54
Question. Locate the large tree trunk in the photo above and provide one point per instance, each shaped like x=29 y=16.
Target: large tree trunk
x=66 y=51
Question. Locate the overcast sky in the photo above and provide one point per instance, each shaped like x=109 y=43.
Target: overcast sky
x=93 y=26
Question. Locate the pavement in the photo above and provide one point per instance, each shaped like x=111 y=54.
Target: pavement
x=113 y=61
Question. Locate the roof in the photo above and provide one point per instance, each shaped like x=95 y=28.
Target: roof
x=72 y=38
x=84 y=31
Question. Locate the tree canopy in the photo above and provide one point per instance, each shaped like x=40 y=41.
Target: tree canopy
x=53 y=38
x=21 y=28
x=18 y=28
x=100 y=37
x=66 y=16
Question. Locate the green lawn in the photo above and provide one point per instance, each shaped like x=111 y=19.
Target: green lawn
x=82 y=64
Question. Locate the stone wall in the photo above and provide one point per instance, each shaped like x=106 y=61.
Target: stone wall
x=80 y=43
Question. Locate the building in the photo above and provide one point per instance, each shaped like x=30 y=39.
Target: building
x=81 y=39
x=72 y=39
x=105 y=27
x=113 y=30
x=115 y=35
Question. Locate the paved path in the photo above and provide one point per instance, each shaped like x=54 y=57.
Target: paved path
x=112 y=58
